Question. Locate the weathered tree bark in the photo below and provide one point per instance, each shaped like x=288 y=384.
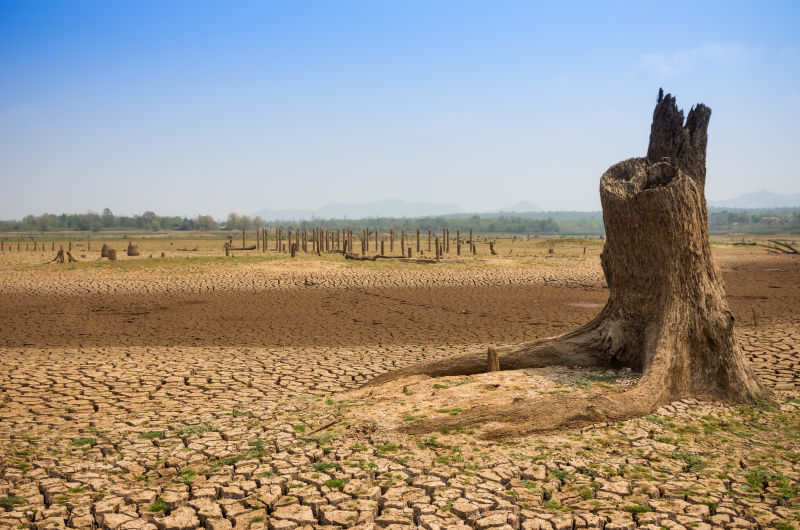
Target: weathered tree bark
x=666 y=315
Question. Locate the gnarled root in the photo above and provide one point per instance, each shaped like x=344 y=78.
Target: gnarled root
x=668 y=375
x=545 y=414
x=572 y=349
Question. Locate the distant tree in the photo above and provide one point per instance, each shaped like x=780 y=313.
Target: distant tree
x=108 y=218
x=238 y=222
x=206 y=222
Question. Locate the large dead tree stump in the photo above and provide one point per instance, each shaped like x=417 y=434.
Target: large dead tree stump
x=666 y=315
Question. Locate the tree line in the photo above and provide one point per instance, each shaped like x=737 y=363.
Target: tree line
x=784 y=220
x=93 y=222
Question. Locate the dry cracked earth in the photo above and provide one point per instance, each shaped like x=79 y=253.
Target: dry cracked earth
x=226 y=396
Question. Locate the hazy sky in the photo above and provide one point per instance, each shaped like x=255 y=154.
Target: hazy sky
x=209 y=107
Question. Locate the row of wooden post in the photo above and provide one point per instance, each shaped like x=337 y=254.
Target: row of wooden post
x=341 y=240
x=40 y=246
x=322 y=240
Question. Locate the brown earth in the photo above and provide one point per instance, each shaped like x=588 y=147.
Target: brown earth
x=217 y=389
x=323 y=304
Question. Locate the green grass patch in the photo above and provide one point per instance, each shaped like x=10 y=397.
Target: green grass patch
x=11 y=501
x=637 y=508
x=187 y=475
x=691 y=462
x=386 y=448
x=324 y=466
x=152 y=435
x=335 y=484
x=188 y=431
x=159 y=506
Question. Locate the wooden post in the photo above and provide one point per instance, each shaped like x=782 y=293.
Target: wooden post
x=70 y=246
x=382 y=254
x=227 y=249
x=294 y=248
x=376 y=240
x=297 y=239
x=391 y=240
x=447 y=239
x=289 y=240
x=242 y=236
x=492 y=362
x=403 y=241
x=437 y=248
x=409 y=252
x=88 y=244
x=458 y=241
x=429 y=240
x=418 y=247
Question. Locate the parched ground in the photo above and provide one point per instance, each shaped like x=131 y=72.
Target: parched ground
x=185 y=393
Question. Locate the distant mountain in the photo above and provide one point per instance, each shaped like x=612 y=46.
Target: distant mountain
x=384 y=208
x=521 y=207
x=759 y=199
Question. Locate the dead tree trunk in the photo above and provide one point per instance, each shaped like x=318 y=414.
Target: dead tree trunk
x=666 y=315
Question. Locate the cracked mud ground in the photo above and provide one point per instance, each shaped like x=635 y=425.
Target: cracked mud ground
x=226 y=396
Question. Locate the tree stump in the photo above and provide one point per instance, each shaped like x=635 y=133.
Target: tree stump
x=666 y=315
x=492 y=362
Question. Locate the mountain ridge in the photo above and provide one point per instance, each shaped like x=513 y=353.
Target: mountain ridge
x=382 y=208
x=759 y=199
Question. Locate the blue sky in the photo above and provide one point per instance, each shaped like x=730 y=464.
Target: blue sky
x=190 y=107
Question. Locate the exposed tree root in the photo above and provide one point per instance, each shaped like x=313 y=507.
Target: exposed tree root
x=545 y=414
x=564 y=350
